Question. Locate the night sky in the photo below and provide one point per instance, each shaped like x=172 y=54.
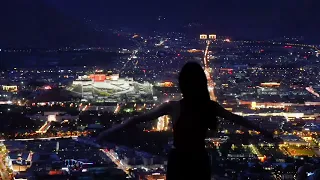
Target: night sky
x=247 y=18
x=58 y=22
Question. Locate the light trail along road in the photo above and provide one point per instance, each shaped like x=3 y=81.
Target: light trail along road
x=121 y=165
x=208 y=73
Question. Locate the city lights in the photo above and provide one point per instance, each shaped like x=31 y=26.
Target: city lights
x=60 y=90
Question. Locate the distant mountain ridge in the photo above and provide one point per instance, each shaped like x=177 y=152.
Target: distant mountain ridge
x=37 y=24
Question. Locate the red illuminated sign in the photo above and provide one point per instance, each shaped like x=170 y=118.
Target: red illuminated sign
x=99 y=77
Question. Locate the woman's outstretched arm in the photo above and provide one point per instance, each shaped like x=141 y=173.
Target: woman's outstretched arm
x=159 y=111
x=222 y=112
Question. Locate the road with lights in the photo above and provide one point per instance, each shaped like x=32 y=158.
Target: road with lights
x=208 y=73
x=43 y=129
x=121 y=165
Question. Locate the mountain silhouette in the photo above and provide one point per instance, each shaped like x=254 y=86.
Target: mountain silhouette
x=38 y=24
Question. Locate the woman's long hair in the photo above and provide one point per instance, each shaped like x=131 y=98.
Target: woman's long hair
x=196 y=98
x=193 y=83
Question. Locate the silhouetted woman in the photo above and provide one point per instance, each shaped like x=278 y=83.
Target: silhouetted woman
x=192 y=116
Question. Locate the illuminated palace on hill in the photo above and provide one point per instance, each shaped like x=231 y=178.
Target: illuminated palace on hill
x=109 y=85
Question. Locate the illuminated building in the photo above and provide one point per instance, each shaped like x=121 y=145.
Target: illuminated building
x=54 y=116
x=106 y=85
x=270 y=84
x=55 y=172
x=21 y=161
x=10 y=88
x=293 y=140
x=194 y=51
x=163 y=123
x=47 y=87
x=242 y=156
x=98 y=77
x=6 y=170
x=278 y=105
x=253 y=105
x=217 y=141
x=166 y=84
x=154 y=176
x=224 y=71
x=267 y=91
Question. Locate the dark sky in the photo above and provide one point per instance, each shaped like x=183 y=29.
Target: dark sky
x=59 y=23
x=256 y=18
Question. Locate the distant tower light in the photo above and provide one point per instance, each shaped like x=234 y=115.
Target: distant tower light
x=213 y=36
x=203 y=36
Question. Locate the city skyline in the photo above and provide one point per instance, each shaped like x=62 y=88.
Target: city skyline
x=72 y=71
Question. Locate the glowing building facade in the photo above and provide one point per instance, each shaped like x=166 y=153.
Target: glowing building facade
x=6 y=170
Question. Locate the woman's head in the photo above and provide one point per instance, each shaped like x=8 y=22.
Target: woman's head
x=193 y=82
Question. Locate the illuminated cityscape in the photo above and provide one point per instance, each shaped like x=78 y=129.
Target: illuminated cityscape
x=67 y=74
x=75 y=103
